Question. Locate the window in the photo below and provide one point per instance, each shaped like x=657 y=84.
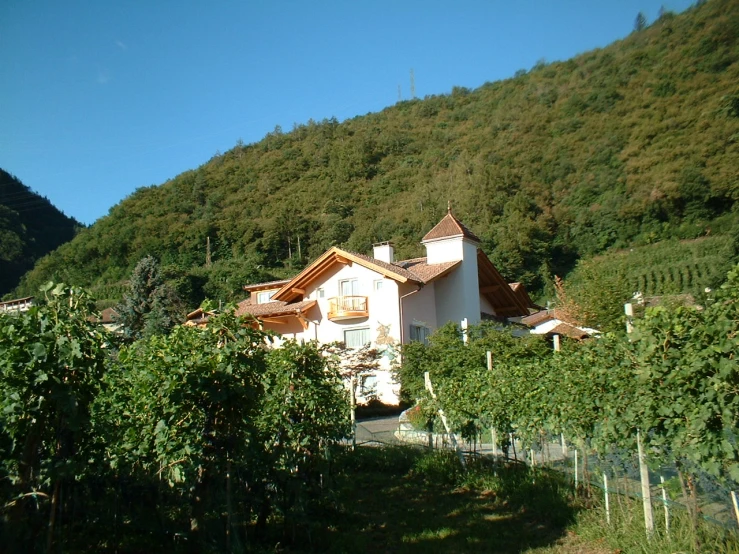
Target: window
x=349 y=287
x=378 y=284
x=320 y=293
x=368 y=385
x=420 y=333
x=357 y=338
x=264 y=296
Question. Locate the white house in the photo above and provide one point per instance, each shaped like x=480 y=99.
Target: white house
x=550 y=323
x=16 y=305
x=356 y=299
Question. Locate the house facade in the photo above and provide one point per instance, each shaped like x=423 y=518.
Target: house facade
x=16 y=305
x=382 y=302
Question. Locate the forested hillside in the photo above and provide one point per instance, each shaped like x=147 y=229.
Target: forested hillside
x=30 y=227
x=627 y=145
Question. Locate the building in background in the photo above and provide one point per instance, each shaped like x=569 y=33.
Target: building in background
x=382 y=302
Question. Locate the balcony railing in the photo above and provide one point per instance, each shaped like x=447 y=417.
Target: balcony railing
x=347 y=307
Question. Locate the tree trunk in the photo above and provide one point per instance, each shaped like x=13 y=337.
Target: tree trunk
x=52 y=518
x=695 y=512
x=228 y=506
x=197 y=516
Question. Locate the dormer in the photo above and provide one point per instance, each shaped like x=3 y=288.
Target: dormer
x=446 y=241
x=261 y=293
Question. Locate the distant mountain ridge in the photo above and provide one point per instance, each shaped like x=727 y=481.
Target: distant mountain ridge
x=627 y=145
x=30 y=227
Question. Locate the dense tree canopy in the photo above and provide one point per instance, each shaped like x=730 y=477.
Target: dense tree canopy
x=625 y=145
x=30 y=227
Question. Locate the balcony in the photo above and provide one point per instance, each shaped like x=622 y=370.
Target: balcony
x=347 y=307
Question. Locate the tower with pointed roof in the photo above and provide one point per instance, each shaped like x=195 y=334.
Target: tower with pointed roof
x=450 y=240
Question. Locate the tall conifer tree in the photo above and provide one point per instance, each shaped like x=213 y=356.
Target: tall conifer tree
x=151 y=306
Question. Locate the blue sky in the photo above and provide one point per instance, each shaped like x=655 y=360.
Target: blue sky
x=100 y=98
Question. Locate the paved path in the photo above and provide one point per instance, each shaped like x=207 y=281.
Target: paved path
x=379 y=424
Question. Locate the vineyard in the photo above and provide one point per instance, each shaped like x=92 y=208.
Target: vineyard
x=193 y=440
x=670 y=267
x=674 y=382
x=208 y=440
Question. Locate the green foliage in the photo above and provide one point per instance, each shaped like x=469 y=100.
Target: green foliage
x=632 y=143
x=199 y=406
x=661 y=269
x=460 y=376
x=441 y=467
x=640 y=23
x=30 y=227
x=596 y=297
x=51 y=361
x=151 y=306
x=676 y=378
x=626 y=531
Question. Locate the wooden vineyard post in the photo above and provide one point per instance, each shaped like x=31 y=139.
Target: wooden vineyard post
x=736 y=505
x=575 y=470
x=494 y=438
x=452 y=437
x=605 y=493
x=629 y=311
x=664 y=502
x=645 y=490
x=353 y=397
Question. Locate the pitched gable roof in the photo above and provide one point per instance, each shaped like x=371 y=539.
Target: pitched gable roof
x=409 y=271
x=569 y=331
x=295 y=288
x=269 y=285
x=449 y=227
x=540 y=317
x=506 y=300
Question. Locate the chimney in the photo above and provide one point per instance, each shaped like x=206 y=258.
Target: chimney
x=384 y=252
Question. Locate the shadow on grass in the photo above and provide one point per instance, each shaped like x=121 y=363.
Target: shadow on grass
x=403 y=500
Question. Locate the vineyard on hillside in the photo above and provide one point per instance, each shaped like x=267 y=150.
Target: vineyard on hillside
x=675 y=379
x=673 y=267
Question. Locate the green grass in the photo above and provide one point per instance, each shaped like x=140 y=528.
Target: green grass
x=407 y=500
x=626 y=532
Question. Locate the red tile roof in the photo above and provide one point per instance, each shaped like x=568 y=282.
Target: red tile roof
x=449 y=226
x=273 y=309
x=108 y=315
x=394 y=267
x=425 y=273
x=539 y=317
x=569 y=331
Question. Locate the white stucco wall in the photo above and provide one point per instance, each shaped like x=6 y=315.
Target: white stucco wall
x=458 y=294
x=419 y=307
x=384 y=316
x=444 y=250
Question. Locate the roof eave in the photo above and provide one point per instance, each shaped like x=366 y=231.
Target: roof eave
x=323 y=263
